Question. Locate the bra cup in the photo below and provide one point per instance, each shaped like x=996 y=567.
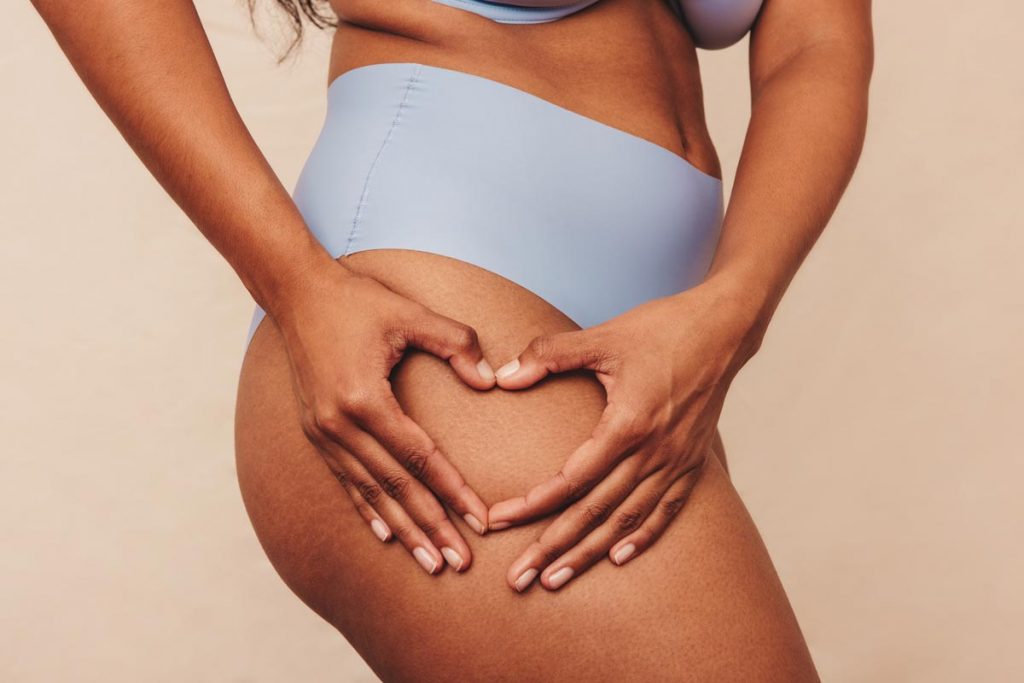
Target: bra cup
x=713 y=24
x=522 y=11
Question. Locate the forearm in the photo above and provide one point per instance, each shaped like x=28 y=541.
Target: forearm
x=808 y=118
x=152 y=70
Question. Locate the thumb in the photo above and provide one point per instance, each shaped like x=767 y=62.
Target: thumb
x=455 y=342
x=549 y=354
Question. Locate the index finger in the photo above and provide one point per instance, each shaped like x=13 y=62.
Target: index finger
x=615 y=438
x=411 y=446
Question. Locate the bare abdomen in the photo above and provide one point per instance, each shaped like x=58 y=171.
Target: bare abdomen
x=704 y=603
x=629 y=64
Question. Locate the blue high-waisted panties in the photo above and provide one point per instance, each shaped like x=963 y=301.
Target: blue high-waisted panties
x=590 y=218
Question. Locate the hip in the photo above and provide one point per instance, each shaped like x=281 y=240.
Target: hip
x=703 y=603
x=588 y=217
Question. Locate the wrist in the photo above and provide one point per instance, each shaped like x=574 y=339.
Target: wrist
x=755 y=282
x=293 y=278
x=740 y=308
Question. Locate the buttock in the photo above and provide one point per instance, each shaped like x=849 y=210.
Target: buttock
x=589 y=218
x=703 y=603
x=519 y=218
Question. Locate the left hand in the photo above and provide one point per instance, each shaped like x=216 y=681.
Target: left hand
x=666 y=366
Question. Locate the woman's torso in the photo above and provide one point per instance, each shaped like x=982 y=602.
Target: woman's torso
x=627 y=63
x=704 y=602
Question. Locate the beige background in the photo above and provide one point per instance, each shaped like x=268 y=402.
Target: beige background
x=876 y=438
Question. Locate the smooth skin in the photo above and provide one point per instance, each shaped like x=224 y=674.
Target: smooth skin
x=666 y=365
x=626 y=63
x=321 y=398
x=702 y=604
x=810 y=65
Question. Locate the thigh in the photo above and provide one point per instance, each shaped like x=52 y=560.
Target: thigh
x=704 y=603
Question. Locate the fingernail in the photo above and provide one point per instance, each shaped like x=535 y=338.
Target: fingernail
x=425 y=559
x=474 y=523
x=624 y=553
x=453 y=558
x=508 y=368
x=525 y=579
x=380 y=529
x=484 y=368
x=498 y=526
x=558 y=579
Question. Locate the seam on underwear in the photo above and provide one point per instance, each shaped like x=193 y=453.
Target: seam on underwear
x=413 y=79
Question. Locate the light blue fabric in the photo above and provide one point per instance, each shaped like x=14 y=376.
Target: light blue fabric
x=522 y=12
x=713 y=24
x=591 y=218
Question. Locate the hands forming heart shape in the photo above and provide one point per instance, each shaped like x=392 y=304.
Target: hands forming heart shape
x=665 y=371
x=665 y=365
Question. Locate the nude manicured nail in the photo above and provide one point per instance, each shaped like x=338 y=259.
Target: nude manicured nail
x=484 y=368
x=452 y=557
x=498 y=526
x=623 y=553
x=380 y=529
x=558 y=579
x=508 y=368
x=525 y=579
x=474 y=523
x=425 y=559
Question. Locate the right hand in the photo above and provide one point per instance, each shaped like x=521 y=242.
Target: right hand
x=344 y=333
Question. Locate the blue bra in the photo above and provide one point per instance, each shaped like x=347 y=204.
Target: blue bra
x=713 y=23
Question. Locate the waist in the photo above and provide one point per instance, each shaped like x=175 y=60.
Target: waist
x=628 y=63
x=590 y=218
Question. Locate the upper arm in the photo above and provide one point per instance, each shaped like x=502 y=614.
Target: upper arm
x=837 y=30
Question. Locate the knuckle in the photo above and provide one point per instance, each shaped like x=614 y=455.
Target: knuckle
x=401 y=530
x=666 y=450
x=631 y=425
x=605 y=359
x=418 y=462
x=540 y=347
x=370 y=491
x=672 y=505
x=341 y=476
x=395 y=339
x=547 y=552
x=628 y=521
x=355 y=401
x=653 y=469
x=431 y=527
x=573 y=487
x=326 y=421
x=396 y=485
x=593 y=514
x=464 y=337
